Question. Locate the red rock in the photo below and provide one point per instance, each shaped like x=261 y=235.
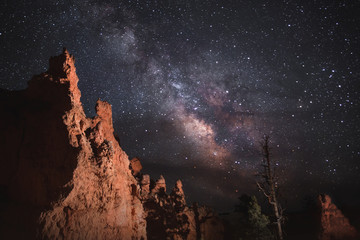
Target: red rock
x=334 y=225
x=169 y=217
x=145 y=186
x=166 y=214
x=64 y=176
x=178 y=194
x=160 y=186
x=65 y=169
x=135 y=166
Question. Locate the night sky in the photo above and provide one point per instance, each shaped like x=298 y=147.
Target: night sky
x=195 y=85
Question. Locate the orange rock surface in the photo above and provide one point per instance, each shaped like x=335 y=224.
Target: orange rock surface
x=66 y=171
x=334 y=225
x=64 y=175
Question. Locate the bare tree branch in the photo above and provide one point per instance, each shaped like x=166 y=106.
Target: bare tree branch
x=263 y=190
x=270 y=179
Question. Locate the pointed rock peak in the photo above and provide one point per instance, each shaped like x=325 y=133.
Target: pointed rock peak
x=334 y=225
x=161 y=179
x=59 y=82
x=63 y=66
x=104 y=114
x=159 y=184
x=135 y=166
x=178 y=193
x=178 y=186
x=103 y=109
x=65 y=51
x=325 y=200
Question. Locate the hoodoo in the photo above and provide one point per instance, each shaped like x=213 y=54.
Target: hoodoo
x=64 y=175
x=334 y=225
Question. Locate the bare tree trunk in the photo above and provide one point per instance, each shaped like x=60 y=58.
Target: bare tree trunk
x=278 y=220
x=269 y=186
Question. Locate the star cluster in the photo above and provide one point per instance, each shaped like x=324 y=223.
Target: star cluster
x=196 y=84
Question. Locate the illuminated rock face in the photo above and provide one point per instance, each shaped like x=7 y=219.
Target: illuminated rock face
x=65 y=170
x=64 y=176
x=135 y=166
x=334 y=225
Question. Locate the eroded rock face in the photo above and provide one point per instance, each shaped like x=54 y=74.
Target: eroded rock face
x=164 y=219
x=334 y=225
x=64 y=175
x=64 y=170
x=135 y=166
x=169 y=217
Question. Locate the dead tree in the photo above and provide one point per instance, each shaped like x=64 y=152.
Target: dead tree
x=268 y=186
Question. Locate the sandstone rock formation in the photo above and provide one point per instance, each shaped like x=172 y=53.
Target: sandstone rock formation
x=169 y=217
x=64 y=175
x=135 y=166
x=334 y=225
x=62 y=168
x=166 y=214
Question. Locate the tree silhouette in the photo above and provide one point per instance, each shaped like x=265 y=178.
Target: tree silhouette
x=253 y=223
x=268 y=186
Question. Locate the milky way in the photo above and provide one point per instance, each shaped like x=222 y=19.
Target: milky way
x=196 y=84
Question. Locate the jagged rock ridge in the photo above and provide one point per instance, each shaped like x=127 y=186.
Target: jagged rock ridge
x=169 y=217
x=64 y=175
x=68 y=166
